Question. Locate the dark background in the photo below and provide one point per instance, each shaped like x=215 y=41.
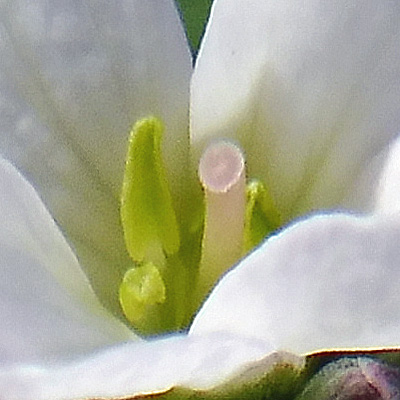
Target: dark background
x=194 y=15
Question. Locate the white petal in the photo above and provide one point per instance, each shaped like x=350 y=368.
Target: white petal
x=130 y=369
x=47 y=309
x=311 y=90
x=388 y=191
x=329 y=282
x=74 y=76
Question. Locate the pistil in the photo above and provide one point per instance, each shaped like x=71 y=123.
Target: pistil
x=222 y=174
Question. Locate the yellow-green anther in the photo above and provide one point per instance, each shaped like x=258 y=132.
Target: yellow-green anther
x=147 y=214
x=141 y=287
x=262 y=217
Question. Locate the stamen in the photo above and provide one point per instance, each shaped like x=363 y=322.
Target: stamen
x=262 y=217
x=147 y=214
x=141 y=288
x=222 y=173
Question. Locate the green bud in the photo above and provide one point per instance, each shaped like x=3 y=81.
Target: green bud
x=356 y=378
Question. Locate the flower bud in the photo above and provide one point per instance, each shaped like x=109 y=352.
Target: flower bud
x=354 y=378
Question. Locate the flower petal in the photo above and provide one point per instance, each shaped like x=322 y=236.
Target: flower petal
x=328 y=282
x=74 y=76
x=47 y=309
x=388 y=191
x=311 y=90
x=132 y=369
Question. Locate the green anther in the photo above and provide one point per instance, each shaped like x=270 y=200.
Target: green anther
x=147 y=214
x=141 y=288
x=262 y=217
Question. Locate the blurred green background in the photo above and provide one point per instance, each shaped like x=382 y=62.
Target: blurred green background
x=194 y=14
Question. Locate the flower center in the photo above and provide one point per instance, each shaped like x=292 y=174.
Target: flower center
x=175 y=267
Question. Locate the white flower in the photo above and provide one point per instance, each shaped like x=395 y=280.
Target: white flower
x=311 y=92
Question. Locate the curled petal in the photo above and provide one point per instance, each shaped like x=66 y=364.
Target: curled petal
x=47 y=308
x=327 y=282
x=133 y=369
